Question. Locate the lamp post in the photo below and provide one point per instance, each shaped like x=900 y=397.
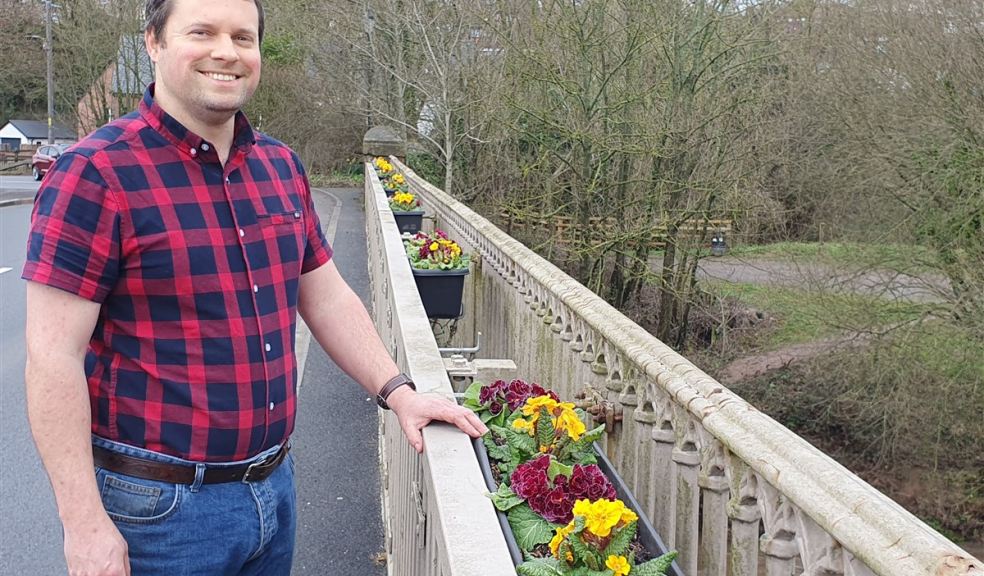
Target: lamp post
x=51 y=79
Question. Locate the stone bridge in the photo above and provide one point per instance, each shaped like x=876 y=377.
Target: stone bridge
x=732 y=490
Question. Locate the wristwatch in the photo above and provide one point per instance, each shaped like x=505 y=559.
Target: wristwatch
x=389 y=387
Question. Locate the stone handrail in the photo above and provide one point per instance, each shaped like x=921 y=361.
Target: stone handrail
x=438 y=519
x=724 y=484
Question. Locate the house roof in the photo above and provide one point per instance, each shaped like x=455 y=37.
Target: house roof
x=38 y=130
x=134 y=70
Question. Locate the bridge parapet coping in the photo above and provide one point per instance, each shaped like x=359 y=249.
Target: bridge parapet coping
x=695 y=439
x=438 y=519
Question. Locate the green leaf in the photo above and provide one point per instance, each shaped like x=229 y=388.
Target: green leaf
x=656 y=566
x=521 y=441
x=544 y=429
x=504 y=499
x=472 y=395
x=620 y=540
x=529 y=527
x=592 y=435
x=500 y=453
x=587 y=554
x=540 y=567
x=556 y=468
x=583 y=571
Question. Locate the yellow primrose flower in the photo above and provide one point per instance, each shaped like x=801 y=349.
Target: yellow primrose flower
x=569 y=422
x=618 y=564
x=559 y=536
x=628 y=516
x=520 y=424
x=599 y=516
x=533 y=405
x=399 y=179
x=403 y=198
x=433 y=247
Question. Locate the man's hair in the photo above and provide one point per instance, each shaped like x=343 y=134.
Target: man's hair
x=156 y=13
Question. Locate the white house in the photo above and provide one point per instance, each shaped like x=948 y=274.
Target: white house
x=33 y=132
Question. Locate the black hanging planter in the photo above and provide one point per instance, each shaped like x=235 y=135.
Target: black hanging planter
x=648 y=537
x=409 y=221
x=441 y=291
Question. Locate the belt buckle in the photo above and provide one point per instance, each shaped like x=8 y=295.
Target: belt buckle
x=251 y=467
x=268 y=461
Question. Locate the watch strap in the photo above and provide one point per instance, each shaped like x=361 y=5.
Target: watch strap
x=390 y=386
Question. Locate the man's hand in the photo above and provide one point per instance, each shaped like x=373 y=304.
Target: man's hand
x=94 y=547
x=418 y=410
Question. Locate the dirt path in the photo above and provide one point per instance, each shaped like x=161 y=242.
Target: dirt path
x=874 y=283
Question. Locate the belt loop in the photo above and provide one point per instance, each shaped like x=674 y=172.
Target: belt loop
x=199 y=476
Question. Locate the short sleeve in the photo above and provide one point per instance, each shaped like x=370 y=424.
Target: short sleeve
x=318 y=251
x=74 y=239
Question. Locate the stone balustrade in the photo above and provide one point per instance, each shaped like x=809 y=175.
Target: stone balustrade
x=732 y=490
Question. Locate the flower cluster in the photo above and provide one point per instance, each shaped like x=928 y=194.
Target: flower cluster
x=591 y=529
x=404 y=202
x=396 y=183
x=552 y=489
x=563 y=418
x=435 y=251
x=554 y=500
x=514 y=394
x=382 y=166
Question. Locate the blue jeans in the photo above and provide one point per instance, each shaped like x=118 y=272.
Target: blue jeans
x=233 y=528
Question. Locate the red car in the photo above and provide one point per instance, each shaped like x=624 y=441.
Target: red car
x=43 y=157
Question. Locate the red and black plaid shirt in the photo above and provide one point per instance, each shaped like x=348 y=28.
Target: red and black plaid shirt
x=196 y=266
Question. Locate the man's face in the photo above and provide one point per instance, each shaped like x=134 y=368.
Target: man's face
x=207 y=60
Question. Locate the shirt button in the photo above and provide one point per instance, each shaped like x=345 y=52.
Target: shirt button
x=242 y=232
x=297 y=214
x=193 y=151
x=255 y=288
x=268 y=348
x=271 y=406
x=205 y=147
x=228 y=181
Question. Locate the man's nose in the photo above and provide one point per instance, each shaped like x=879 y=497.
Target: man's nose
x=224 y=48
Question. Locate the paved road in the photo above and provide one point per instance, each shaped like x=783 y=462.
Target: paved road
x=335 y=443
x=15 y=189
x=876 y=283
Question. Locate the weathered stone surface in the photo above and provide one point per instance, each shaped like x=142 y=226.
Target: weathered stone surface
x=383 y=141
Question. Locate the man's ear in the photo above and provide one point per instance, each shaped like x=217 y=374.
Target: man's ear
x=153 y=46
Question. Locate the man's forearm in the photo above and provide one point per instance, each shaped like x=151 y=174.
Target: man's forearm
x=60 y=418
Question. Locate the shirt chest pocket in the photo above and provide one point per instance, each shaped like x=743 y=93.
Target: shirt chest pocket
x=283 y=236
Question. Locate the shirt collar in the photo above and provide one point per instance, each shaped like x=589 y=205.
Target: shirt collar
x=243 y=137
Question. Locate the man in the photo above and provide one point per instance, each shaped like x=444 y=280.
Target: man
x=168 y=254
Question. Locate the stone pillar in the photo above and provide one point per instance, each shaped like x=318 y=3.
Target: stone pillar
x=384 y=141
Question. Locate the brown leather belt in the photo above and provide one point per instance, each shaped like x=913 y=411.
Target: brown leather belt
x=181 y=474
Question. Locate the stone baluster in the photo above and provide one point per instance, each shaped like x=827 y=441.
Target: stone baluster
x=821 y=553
x=745 y=517
x=662 y=494
x=686 y=456
x=778 y=543
x=713 y=558
x=644 y=418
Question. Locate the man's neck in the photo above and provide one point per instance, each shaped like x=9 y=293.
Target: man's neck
x=219 y=133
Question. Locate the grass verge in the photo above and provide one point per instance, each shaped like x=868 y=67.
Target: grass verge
x=337 y=179
x=806 y=315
